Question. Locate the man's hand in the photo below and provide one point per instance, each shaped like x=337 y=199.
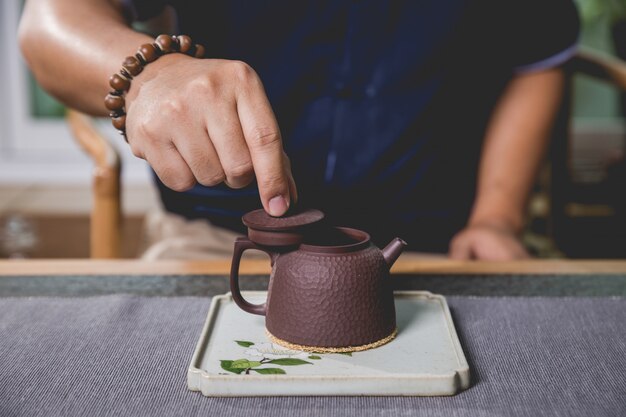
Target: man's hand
x=208 y=121
x=489 y=242
x=515 y=142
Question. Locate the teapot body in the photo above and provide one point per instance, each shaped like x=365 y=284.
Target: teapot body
x=330 y=295
x=330 y=300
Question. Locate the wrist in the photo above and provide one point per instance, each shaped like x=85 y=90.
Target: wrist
x=152 y=71
x=504 y=222
x=134 y=65
x=500 y=210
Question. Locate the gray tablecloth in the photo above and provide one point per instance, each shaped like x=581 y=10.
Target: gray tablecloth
x=127 y=355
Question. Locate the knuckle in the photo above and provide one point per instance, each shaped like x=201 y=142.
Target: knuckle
x=200 y=160
x=241 y=170
x=264 y=137
x=147 y=129
x=211 y=179
x=175 y=180
x=174 y=106
x=242 y=71
x=183 y=186
x=178 y=182
x=287 y=161
x=206 y=85
x=273 y=182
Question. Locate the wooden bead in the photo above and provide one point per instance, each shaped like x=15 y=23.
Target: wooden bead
x=114 y=102
x=119 y=82
x=199 y=51
x=175 y=44
x=148 y=52
x=164 y=43
x=119 y=122
x=140 y=59
x=185 y=43
x=125 y=74
x=132 y=65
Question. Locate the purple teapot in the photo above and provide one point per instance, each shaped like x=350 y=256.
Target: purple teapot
x=329 y=288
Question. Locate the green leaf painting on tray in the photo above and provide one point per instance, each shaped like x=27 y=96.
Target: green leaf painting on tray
x=244 y=363
x=264 y=354
x=226 y=365
x=245 y=366
x=289 y=362
x=270 y=371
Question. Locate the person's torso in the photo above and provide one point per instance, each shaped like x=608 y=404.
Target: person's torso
x=382 y=106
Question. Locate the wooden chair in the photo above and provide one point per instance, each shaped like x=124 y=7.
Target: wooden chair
x=106 y=213
x=105 y=230
x=585 y=215
x=600 y=65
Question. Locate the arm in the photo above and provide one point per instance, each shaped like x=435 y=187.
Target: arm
x=73 y=47
x=515 y=142
x=206 y=121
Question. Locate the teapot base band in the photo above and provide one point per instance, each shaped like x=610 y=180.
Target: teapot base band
x=343 y=349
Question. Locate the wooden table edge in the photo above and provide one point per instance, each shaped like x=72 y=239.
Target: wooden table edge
x=252 y=267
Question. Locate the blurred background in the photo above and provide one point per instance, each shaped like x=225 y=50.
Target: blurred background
x=48 y=181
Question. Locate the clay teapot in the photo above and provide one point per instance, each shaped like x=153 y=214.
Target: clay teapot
x=329 y=289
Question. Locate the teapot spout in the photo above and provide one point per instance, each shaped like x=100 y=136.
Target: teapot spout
x=393 y=250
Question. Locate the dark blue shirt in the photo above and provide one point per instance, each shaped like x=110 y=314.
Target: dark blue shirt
x=382 y=104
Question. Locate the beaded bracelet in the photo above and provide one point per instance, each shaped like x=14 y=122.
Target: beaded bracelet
x=133 y=65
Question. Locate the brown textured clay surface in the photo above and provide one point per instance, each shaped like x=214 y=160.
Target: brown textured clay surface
x=331 y=300
x=259 y=219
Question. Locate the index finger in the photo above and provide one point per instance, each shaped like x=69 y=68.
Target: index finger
x=264 y=141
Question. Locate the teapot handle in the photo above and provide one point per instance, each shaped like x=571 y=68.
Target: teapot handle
x=241 y=245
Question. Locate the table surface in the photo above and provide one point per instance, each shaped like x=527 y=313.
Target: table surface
x=116 y=337
x=205 y=278
x=120 y=355
x=254 y=267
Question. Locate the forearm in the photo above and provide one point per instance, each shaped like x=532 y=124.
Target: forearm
x=515 y=143
x=73 y=47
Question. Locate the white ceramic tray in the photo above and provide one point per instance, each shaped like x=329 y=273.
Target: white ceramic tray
x=234 y=357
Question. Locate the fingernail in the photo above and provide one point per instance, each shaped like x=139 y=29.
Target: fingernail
x=278 y=206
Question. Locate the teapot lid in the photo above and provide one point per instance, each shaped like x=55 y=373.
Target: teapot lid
x=279 y=231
